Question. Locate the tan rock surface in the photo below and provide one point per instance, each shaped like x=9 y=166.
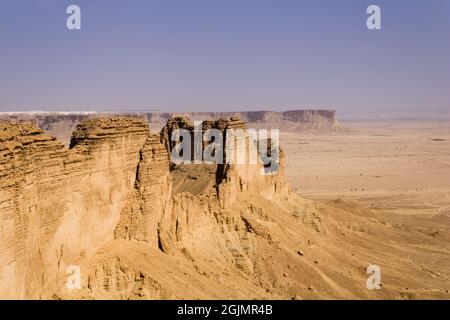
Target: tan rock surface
x=113 y=205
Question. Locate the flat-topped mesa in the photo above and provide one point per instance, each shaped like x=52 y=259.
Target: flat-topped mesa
x=62 y=124
x=21 y=133
x=240 y=168
x=233 y=122
x=310 y=116
x=10 y=131
x=104 y=128
x=22 y=146
x=292 y=120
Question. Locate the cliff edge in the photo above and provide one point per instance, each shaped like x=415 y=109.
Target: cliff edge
x=112 y=216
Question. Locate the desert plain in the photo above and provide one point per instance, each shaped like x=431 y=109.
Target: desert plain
x=394 y=173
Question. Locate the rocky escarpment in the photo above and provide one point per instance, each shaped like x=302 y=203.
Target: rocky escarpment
x=294 y=120
x=167 y=219
x=61 y=125
x=150 y=198
x=58 y=125
x=116 y=206
x=59 y=205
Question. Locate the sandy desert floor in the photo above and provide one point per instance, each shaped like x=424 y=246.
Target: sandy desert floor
x=399 y=172
x=402 y=168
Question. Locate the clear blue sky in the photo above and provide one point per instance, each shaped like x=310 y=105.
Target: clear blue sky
x=223 y=55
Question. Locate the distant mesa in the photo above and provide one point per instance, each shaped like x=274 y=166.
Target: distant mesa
x=62 y=124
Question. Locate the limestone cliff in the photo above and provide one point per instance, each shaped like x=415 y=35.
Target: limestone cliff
x=61 y=125
x=293 y=120
x=150 y=199
x=139 y=226
x=57 y=204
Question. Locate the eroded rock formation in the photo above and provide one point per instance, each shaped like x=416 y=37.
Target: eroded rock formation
x=140 y=227
x=57 y=204
x=61 y=125
x=60 y=205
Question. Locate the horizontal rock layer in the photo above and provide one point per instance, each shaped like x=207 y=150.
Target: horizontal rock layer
x=59 y=205
x=61 y=125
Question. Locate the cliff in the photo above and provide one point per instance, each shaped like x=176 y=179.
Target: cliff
x=61 y=125
x=59 y=205
x=139 y=226
x=294 y=120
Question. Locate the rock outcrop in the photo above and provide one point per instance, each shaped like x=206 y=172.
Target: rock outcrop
x=61 y=125
x=293 y=120
x=138 y=226
x=150 y=200
x=60 y=205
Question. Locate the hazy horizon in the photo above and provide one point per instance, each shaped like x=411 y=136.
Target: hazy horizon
x=200 y=55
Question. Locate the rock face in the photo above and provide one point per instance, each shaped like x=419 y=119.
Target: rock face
x=58 y=125
x=172 y=125
x=151 y=197
x=59 y=205
x=138 y=226
x=62 y=125
x=294 y=120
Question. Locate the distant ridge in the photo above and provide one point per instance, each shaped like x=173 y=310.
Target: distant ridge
x=61 y=124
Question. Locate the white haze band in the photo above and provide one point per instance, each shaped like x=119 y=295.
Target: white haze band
x=239 y=146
